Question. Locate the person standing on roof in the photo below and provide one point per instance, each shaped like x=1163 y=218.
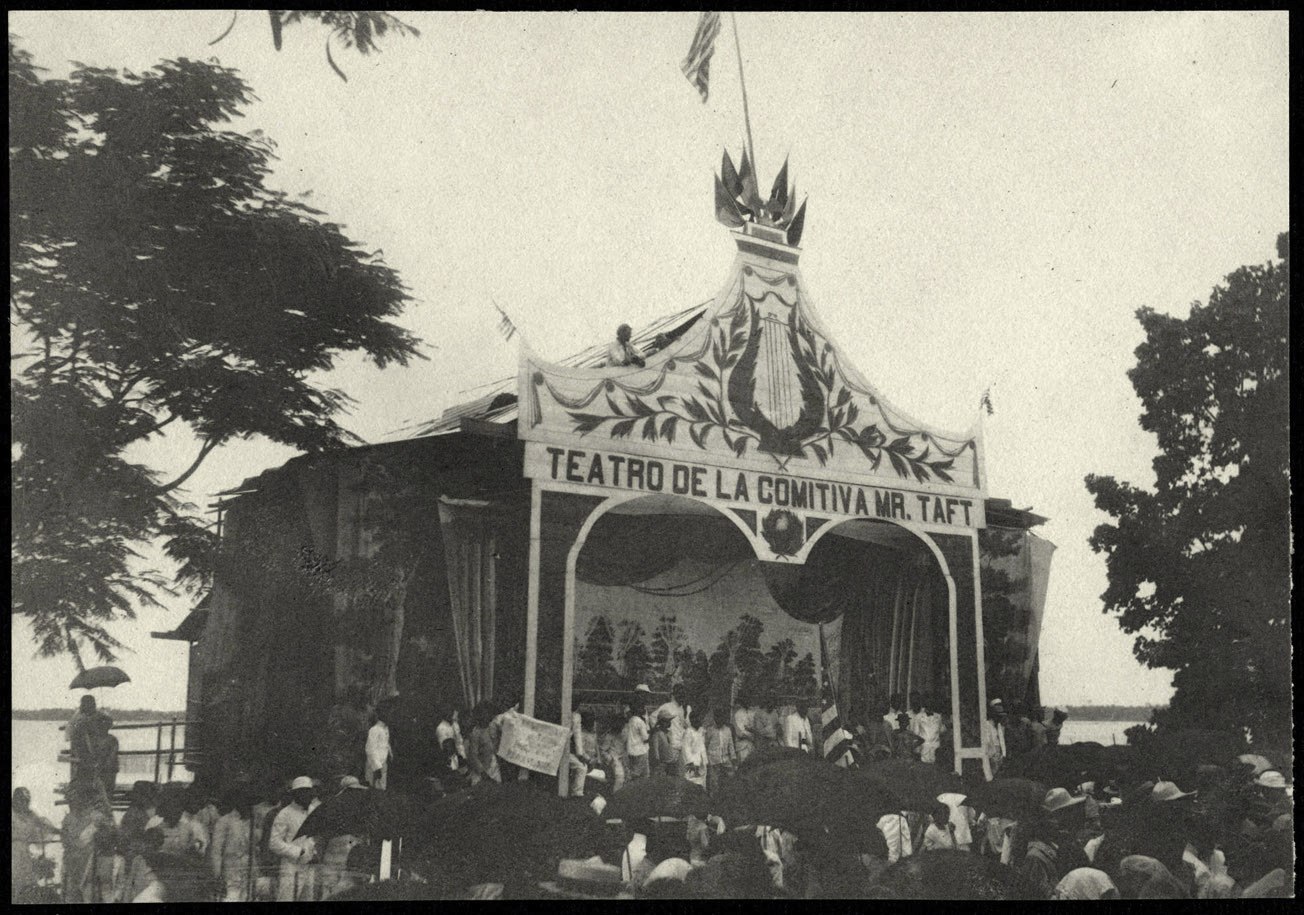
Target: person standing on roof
x=622 y=352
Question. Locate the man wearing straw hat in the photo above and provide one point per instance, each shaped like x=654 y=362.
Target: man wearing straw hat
x=297 y=881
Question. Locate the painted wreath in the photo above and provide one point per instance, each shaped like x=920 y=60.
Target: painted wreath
x=782 y=531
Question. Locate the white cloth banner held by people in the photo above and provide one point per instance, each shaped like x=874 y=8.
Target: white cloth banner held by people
x=532 y=744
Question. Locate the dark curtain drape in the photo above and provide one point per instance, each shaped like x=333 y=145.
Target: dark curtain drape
x=624 y=550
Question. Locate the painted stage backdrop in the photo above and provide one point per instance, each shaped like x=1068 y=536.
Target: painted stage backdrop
x=715 y=629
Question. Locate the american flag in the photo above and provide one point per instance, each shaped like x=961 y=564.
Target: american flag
x=838 y=746
x=697 y=65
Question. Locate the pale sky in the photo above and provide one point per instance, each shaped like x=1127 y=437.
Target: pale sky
x=992 y=196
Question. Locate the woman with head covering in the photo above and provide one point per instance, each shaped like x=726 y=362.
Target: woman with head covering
x=27 y=828
x=1142 y=877
x=88 y=816
x=1085 y=883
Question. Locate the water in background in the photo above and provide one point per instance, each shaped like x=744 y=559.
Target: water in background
x=1102 y=732
x=34 y=761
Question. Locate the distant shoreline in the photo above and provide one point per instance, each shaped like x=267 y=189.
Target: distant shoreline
x=1140 y=713
x=118 y=714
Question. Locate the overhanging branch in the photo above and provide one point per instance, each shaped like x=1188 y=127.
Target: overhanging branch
x=209 y=444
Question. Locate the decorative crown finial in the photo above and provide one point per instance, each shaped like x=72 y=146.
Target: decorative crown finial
x=738 y=202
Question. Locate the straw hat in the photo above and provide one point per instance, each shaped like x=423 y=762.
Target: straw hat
x=302 y=781
x=642 y=688
x=1058 y=799
x=1271 y=779
x=350 y=781
x=1168 y=791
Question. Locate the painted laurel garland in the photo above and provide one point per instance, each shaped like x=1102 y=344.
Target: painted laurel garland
x=725 y=401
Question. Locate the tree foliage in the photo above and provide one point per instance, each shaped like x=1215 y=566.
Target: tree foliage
x=1199 y=565
x=156 y=282
x=361 y=30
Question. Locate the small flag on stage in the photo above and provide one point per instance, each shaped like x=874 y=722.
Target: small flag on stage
x=838 y=746
x=697 y=65
x=986 y=402
x=505 y=325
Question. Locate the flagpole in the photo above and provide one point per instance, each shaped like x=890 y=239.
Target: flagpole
x=747 y=119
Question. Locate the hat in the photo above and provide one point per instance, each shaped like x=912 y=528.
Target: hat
x=1168 y=791
x=1258 y=763
x=1087 y=787
x=670 y=869
x=302 y=781
x=996 y=702
x=1271 y=778
x=1058 y=799
x=350 y=781
x=666 y=715
x=597 y=775
x=153 y=822
x=642 y=688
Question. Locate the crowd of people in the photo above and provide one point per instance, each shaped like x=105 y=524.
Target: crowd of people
x=1227 y=835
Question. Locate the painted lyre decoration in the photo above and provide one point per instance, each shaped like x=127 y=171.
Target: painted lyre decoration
x=755 y=379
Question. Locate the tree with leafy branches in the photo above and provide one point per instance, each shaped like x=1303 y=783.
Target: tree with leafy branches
x=157 y=283
x=361 y=30
x=1199 y=563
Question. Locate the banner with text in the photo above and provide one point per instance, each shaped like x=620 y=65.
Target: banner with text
x=573 y=467
x=533 y=744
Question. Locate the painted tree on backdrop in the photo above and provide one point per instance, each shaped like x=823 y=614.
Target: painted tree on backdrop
x=1199 y=566
x=157 y=282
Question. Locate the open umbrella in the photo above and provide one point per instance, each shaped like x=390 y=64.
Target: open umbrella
x=365 y=812
x=658 y=795
x=1018 y=798
x=916 y=784
x=819 y=802
x=96 y=677
x=948 y=875
x=511 y=833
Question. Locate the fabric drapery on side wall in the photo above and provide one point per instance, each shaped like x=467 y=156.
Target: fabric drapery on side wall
x=1038 y=553
x=470 y=544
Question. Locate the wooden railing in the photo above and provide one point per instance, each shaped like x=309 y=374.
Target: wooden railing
x=166 y=757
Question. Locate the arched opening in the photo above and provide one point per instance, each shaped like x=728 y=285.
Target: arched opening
x=885 y=597
x=669 y=590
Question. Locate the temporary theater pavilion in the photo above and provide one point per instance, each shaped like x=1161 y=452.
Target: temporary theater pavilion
x=744 y=513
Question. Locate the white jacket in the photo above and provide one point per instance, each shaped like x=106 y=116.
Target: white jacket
x=378 y=748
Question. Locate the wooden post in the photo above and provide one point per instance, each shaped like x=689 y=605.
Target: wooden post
x=158 y=751
x=532 y=601
x=982 y=658
x=172 y=749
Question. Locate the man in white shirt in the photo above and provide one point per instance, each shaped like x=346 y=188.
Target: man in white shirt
x=896 y=706
x=678 y=722
x=636 y=737
x=796 y=728
x=744 y=739
x=297 y=871
x=994 y=734
x=622 y=352
x=379 y=753
x=896 y=833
